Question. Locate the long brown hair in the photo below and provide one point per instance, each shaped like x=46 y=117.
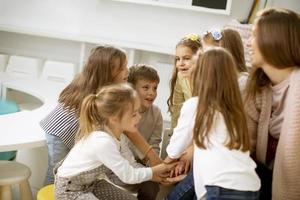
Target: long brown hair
x=231 y=41
x=103 y=64
x=111 y=100
x=277 y=33
x=217 y=89
x=194 y=43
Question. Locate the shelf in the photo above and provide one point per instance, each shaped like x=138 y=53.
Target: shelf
x=181 y=6
x=77 y=37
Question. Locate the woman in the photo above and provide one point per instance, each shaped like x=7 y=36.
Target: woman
x=273 y=102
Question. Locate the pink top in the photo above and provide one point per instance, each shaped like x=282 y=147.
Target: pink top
x=279 y=95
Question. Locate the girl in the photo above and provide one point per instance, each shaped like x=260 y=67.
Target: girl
x=231 y=40
x=103 y=118
x=106 y=65
x=217 y=125
x=272 y=102
x=181 y=78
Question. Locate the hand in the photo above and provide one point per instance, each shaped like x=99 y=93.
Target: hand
x=169 y=181
x=187 y=158
x=162 y=171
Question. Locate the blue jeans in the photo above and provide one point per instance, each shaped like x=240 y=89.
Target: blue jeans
x=219 y=193
x=57 y=151
x=184 y=190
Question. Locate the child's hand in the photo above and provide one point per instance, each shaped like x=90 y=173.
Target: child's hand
x=162 y=171
x=170 y=181
x=180 y=168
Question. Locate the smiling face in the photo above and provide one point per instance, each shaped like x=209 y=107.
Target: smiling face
x=183 y=57
x=256 y=56
x=147 y=91
x=131 y=117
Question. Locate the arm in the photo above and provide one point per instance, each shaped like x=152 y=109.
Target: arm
x=286 y=174
x=178 y=99
x=127 y=153
x=252 y=116
x=119 y=165
x=155 y=138
x=183 y=133
x=138 y=140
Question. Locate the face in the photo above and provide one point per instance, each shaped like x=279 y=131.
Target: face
x=130 y=119
x=183 y=57
x=256 y=57
x=147 y=91
x=122 y=75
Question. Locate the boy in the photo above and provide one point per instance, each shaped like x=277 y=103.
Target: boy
x=144 y=80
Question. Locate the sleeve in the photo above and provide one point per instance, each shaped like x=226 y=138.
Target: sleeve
x=252 y=116
x=112 y=159
x=155 y=138
x=178 y=99
x=127 y=153
x=183 y=133
x=286 y=174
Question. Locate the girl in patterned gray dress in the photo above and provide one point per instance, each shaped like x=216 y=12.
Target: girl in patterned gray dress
x=103 y=118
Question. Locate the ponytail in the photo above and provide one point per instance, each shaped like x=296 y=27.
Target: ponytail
x=89 y=117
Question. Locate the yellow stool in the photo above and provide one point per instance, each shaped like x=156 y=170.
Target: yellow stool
x=46 y=193
x=11 y=173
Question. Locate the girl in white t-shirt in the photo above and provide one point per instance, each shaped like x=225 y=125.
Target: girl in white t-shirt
x=103 y=118
x=215 y=122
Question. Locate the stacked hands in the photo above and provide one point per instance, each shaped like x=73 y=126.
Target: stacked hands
x=171 y=171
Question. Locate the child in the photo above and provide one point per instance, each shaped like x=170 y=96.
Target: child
x=145 y=81
x=230 y=40
x=105 y=65
x=214 y=119
x=103 y=118
x=181 y=79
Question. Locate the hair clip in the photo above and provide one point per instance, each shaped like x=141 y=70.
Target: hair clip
x=216 y=34
x=193 y=37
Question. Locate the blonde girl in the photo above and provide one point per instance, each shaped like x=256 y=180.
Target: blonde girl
x=106 y=65
x=104 y=117
x=230 y=40
x=214 y=119
x=180 y=83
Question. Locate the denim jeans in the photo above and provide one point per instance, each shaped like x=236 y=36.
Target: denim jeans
x=184 y=190
x=57 y=151
x=219 y=193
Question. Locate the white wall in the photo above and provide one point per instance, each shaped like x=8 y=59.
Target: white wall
x=129 y=25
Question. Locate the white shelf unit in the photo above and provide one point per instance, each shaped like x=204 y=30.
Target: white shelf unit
x=77 y=51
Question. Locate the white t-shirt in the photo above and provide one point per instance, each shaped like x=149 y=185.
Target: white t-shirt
x=216 y=165
x=100 y=148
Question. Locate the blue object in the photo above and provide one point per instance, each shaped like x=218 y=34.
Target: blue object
x=7 y=107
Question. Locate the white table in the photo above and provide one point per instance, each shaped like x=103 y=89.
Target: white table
x=21 y=129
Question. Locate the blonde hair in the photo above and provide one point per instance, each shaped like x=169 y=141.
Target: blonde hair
x=217 y=89
x=231 y=41
x=103 y=65
x=192 y=42
x=110 y=101
x=278 y=40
